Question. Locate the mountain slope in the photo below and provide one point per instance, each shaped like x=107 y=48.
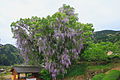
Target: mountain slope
x=107 y=35
x=9 y=55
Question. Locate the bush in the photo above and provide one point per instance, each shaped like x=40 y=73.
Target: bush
x=45 y=75
x=98 y=76
x=98 y=51
x=76 y=70
x=115 y=57
x=112 y=75
x=95 y=52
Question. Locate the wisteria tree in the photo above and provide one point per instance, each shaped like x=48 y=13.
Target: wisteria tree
x=55 y=41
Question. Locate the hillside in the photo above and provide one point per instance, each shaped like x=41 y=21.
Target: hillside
x=9 y=55
x=107 y=35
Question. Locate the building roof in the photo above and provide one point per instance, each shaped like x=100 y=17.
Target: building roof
x=26 y=69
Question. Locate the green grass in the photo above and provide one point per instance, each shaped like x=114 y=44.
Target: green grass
x=86 y=67
x=2 y=78
x=4 y=74
x=76 y=70
x=98 y=76
x=112 y=75
x=7 y=69
x=99 y=67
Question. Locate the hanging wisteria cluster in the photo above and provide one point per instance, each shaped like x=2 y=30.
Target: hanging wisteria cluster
x=55 y=41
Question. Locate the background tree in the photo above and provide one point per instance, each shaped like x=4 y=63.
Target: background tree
x=9 y=55
x=98 y=51
x=55 y=41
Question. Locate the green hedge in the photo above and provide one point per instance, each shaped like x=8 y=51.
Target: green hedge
x=98 y=76
x=112 y=75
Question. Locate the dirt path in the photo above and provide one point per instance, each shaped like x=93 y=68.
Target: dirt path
x=116 y=68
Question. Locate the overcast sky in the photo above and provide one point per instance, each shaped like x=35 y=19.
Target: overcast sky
x=103 y=14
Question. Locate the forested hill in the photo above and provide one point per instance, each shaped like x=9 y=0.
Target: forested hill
x=9 y=55
x=107 y=35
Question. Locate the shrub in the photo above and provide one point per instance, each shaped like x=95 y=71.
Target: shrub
x=115 y=56
x=98 y=51
x=45 y=75
x=98 y=76
x=112 y=75
x=75 y=70
x=95 y=52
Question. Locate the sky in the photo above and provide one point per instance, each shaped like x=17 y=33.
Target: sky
x=103 y=14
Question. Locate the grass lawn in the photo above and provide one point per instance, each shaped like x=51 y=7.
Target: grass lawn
x=84 y=70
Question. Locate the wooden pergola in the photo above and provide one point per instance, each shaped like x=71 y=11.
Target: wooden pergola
x=25 y=72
